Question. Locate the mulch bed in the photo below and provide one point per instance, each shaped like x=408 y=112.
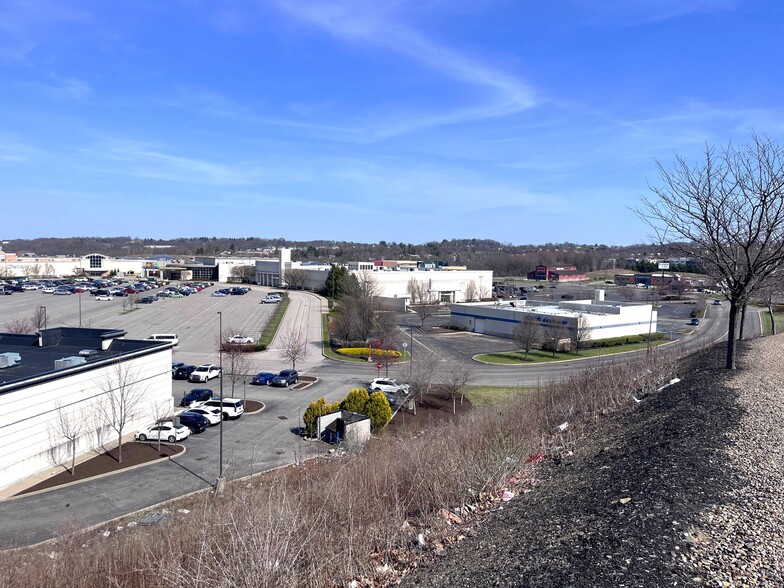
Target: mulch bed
x=133 y=454
x=431 y=409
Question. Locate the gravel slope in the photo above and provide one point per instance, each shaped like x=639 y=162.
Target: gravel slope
x=702 y=464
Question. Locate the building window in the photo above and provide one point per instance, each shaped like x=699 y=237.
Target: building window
x=96 y=261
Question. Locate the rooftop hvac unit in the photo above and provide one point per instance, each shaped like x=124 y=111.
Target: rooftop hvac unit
x=66 y=362
x=9 y=359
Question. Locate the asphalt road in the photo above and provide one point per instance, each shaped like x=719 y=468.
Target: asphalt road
x=259 y=442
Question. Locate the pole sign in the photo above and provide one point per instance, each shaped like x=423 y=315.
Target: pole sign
x=663 y=265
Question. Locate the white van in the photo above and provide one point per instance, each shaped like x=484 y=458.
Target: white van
x=168 y=337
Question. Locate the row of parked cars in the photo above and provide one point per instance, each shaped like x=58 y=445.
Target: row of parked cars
x=204 y=410
x=284 y=378
x=236 y=291
x=195 y=373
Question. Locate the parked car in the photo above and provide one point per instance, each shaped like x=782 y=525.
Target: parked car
x=62 y=292
x=146 y=299
x=204 y=373
x=166 y=337
x=183 y=372
x=285 y=378
x=218 y=294
x=194 y=421
x=262 y=378
x=717 y=302
x=197 y=395
x=241 y=340
x=167 y=431
x=48 y=290
x=388 y=385
x=104 y=298
x=694 y=321
x=232 y=408
x=175 y=365
x=213 y=415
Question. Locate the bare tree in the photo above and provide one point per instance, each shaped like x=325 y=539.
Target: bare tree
x=245 y=273
x=368 y=285
x=426 y=310
x=770 y=293
x=422 y=374
x=527 y=333
x=236 y=363
x=294 y=347
x=554 y=334
x=122 y=394
x=388 y=340
x=162 y=412
x=727 y=212
x=418 y=291
x=471 y=292
x=38 y=320
x=453 y=377
x=581 y=333
x=68 y=425
x=48 y=270
x=19 y=326
x=295 y=278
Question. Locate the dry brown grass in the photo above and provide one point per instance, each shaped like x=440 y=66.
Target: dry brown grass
x=341 y=518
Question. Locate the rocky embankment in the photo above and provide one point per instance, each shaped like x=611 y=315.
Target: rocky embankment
x=686 y=489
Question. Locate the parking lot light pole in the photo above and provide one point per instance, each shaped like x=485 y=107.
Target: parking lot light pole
x=219 y=483
x=44 y=309
x=411 y=353
x=80 y=308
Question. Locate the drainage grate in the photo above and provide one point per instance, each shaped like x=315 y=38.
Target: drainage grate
x=283 y=418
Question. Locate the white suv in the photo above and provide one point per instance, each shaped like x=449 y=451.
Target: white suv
x=233 y=408
x=388 y=386
x=204 y=373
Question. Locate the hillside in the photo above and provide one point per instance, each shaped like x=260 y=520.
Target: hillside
x=701 y=464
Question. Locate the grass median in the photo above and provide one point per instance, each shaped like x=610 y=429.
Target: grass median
x=539 y=356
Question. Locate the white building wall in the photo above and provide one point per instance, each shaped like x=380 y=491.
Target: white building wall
x=603 y=322
x=27 y=415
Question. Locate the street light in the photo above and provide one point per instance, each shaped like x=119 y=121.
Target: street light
x=80 y=309
x=44 y=309
x=411 y=358
x=650 y=322
x=220 y=431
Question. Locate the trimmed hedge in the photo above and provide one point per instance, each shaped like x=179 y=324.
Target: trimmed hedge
x=615 y=341
x=365 y=351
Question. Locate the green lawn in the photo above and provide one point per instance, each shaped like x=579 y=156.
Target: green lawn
x=538 y=356
x=767 y=330
x=268 y=334
x=485 y=395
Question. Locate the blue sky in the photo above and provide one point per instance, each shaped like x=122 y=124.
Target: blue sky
x=521 y=121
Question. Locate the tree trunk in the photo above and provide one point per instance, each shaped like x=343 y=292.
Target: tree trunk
x=742 y=321
x=730 y=365
x=772 y=320
x=73 y=457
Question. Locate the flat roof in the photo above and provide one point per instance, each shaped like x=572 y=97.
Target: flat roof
x=39 y=351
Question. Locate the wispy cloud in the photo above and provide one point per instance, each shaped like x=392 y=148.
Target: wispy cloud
x=150 y=161
x=649 y=11
x=61 y=88
x=377 y=25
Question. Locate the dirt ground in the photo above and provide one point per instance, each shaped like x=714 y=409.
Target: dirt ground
x=133 y=454
x=430 y=409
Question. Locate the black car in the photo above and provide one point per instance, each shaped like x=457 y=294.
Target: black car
x=146 y=299
x=196 y=395
x=285 y=378
x=183 y=372
x=194 y=421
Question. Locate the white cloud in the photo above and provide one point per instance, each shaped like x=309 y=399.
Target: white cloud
x=376 y=25
x=648 y=11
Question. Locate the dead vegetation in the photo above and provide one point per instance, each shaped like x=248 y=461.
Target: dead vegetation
x=367 y=517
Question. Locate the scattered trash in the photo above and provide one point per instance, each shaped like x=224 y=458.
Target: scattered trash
x=450 y=517
x=54 y=555
x=637 y=400
x=183 y=510
x=625 y=500
x=670 y=383
x=534 y=458
x=132 y=524
x=507 y=496
x=421 y=539
x=106 y=533
x=120 y=528
x=562 y=427
x=155 y=518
